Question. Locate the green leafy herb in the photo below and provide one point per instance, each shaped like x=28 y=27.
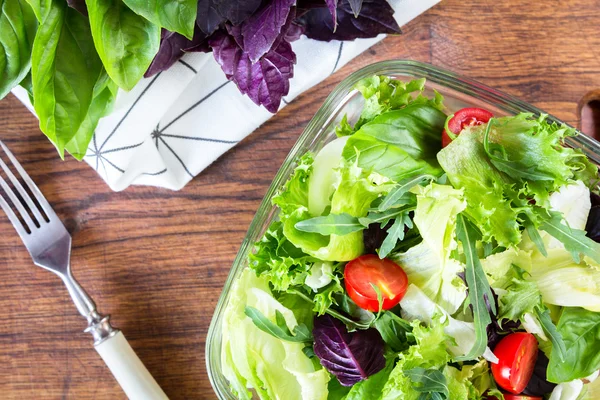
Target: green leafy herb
x=332 y=224
x=522 y=296
x=280 y=329
x=383 y=218
x=558 y=344
x=479 y=287
x=175 y=16
x=126 y=42
x=18 y=25
x=394 y=331
x=65 y=68
x=575 y=240
x=428 y=381
x=394 y=234
x=580 y=331
x=535 y=237
x=391 y=199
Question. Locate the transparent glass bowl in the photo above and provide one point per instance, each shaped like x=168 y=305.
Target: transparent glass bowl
x=458 y=92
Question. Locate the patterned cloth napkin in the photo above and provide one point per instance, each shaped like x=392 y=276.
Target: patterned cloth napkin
x=173 y=125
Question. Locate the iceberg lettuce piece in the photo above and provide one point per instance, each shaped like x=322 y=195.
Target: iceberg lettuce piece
x=253 y=359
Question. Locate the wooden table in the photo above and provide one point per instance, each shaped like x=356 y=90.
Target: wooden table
x=157 y=259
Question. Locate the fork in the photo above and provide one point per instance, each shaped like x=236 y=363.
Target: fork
x=49 y=245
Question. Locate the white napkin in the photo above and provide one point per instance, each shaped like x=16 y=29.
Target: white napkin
x=173 y=125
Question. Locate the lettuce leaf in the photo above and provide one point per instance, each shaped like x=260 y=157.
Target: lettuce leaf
x=505 y=164
x=255 y=359
x=429 y=264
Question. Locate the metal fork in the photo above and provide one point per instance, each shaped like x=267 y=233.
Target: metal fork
x=49 y=245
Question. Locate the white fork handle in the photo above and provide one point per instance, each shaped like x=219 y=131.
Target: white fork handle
x=128 y=370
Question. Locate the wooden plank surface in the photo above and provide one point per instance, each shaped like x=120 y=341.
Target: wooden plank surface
x=157 y=259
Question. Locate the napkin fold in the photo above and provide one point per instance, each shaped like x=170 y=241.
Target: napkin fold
x=173 y=125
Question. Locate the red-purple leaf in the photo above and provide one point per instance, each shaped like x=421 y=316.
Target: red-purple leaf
x=237 y=11
x=262 y=29
x=356 y=6
x=208 y=18
x=376 y=16
x=332 y=7
x=172 y=47
x=351 y=357
x=265 y=81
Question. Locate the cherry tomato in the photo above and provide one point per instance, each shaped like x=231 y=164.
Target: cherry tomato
x=368 y=270
x=516 y=353
x=520 y=397
x=463 y=118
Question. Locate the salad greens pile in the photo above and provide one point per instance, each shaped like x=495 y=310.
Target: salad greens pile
x=72 y=55
x=488 y=232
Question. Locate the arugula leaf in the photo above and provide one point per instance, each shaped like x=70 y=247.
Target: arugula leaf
x=428 y=381
x=395 y=332
x=383 y=218
x=580 y=330
x=126 y=42
x=332 y=224
x=18 y=25
x=395 y=233
x=535 y=237
x=175 y=16
x=391 y=199
x=575 y=240
x=558 y=344
x=479 y=287
x=65 y=68
x=280 y=330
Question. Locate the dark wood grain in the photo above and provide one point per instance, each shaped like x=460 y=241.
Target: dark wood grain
x=157 y=259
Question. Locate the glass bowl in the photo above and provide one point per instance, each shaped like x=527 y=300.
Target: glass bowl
x=458 y=92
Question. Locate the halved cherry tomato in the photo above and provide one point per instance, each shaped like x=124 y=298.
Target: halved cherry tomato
x=463 y=118
x=508 y=396
x=516 y=353
x=367 y=270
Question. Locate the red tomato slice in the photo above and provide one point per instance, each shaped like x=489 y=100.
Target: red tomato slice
x=516 y=353
x=463 y=118
x=369 y=269
x=520 y=397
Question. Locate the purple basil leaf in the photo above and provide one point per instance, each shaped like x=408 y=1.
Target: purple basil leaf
x=265 y=81
x=538 y=385
x=351 y=357
x=356 y=6
x=172 y=47
x=237 y=11
x=332 y=7
x=208 y=18
x=262 y=29
x=376 y=17
x=79 y=5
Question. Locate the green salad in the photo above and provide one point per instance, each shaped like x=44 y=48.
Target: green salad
x=422 y=255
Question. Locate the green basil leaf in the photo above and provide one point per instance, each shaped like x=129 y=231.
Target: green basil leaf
x=428 y=381
x=479 y=287
x=558 y=344
x=394 y=331
x=18 y=25
x=280 y=330
x=575 y=240
x=40 y=8
x=397 y=192
x=65 y=68
x=332 y=224
x=125 y=41
x=173 y=15
x=101 y=105
x=580 y=330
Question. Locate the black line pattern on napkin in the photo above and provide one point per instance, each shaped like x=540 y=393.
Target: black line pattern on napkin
x=188 y=66
x=100 y=155
x=337 y=60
